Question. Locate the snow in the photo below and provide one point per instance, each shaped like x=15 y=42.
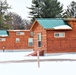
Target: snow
x=7 y=56
x=46 y=68
x=31 y=68
x=10 y=56
x=63 y=27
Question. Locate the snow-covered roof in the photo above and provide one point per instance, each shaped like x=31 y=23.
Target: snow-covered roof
x=63 y=27
x=48 y=23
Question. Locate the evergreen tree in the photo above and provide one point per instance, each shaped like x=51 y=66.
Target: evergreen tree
x=3 y=10
x=45 y=8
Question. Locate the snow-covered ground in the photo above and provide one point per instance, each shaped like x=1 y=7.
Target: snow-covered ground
x=31 y=68
x=9 y=56
x=46 y=68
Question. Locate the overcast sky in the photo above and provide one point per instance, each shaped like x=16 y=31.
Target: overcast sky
x=20 y=6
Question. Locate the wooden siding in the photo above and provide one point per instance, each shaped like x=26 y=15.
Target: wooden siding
x=10 y=42
x=66 y=44
x=38 y=29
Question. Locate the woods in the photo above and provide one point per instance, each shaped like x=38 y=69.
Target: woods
x=38 y=9
x=11 y=20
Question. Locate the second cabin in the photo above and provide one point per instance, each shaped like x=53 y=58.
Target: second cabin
x=54 y=35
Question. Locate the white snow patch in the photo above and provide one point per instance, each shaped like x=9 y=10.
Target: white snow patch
x=7 y=56
x=63 y=27
x=46 y=68
x=31 y=68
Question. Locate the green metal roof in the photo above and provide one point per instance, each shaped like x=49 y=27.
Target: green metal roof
x=3 y=33
x=51 y=23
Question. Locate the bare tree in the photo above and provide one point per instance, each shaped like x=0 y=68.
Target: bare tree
x=17 y=22
x=27 y=24
x=71 y=10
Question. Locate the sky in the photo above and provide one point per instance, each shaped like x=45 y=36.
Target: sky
x=20 y=6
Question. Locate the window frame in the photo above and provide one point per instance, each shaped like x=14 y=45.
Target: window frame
x=31 y=33
x=61 y=34
x=17 y=40
x=39 y=40
x=2 y=39
x=30 y=42
x=20 y=33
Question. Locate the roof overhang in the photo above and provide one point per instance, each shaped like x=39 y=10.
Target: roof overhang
x=55 y=27
x=3 y=33
x=63 y=27
x=34 y=24
x=18 y=30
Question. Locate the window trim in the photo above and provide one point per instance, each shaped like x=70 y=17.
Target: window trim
x=17 y=40
x=60 y=33
x=31 y=33
x=20 y=33
x=31 y=42
x=2 y=39
x=39 y=40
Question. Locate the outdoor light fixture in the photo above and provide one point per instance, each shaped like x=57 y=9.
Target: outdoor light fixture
x=3 y=48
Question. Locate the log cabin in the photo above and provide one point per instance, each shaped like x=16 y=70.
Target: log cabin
x=54 y=35
x=15 y=40
x=51 y=35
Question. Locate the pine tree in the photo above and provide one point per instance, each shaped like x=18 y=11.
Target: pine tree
x=3 y=10
x=45 y=8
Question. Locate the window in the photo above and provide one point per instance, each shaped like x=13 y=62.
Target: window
x=59 y=34
x=31 y=33
x=39 y=39
x=2 y=39
x=17 y=39
x=19 y=33
x=30 y=41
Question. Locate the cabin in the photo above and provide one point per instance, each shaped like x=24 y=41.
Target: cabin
x=45 y=35
x=54 y=35
x=15 y=40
